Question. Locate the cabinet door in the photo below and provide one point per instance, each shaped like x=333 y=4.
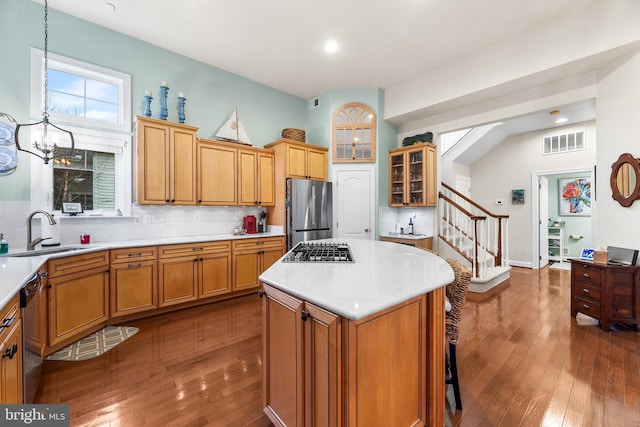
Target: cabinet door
x=296 y=162
x=77 y=302
x=247 y=180
x=266 y=179
x=182 y=167
x=431 y=161
x=317 y=164
x=415 y=177
x=269 y=257
x=282 y=374
x=396 y=179
x=153 y=164
x=11 y=352
x=177 y=280
x=321 y=360
x=133 y=287
x=217 y=175
x=246 y=269
x=214 y=272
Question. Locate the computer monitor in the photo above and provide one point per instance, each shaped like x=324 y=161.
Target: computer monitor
x=621 y=256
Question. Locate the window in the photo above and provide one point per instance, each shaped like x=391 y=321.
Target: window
x=563 y=143
x=354 y=134
x=92 y=102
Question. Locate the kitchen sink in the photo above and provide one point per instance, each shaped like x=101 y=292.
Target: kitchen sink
x=47 y=251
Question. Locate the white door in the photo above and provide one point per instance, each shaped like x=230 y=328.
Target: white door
x=354 y=211
x=543 y=216
x=463 y=185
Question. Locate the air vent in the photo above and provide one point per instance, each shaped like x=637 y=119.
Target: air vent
x=563 y=143
x=314 y=103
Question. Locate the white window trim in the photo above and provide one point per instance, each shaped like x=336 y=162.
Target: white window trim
x=122 y=80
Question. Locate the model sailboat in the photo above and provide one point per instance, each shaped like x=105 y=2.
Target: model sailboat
x=232 y=130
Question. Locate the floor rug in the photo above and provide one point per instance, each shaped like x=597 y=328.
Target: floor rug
x=584 y=320
x=95 y=344
x=560 y=266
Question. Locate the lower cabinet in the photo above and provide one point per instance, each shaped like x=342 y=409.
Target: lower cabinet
x=11 y=353
x=192 y=271
x=320 y=369
x=134 y=280
x=253 y=256
x=78 y=302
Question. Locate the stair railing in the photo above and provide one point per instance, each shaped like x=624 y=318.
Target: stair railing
x=473 y=224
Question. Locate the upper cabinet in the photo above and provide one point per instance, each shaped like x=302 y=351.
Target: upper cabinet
x=166 y=163
x=301 y=160
x=256 y=177
x=412 y=175
x=217 y=173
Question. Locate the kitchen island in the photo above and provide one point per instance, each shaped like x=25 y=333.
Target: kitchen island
x=356 y=343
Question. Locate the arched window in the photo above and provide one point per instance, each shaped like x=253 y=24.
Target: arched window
x=354 y=134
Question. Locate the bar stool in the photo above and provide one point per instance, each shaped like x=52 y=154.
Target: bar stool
x=456 y=293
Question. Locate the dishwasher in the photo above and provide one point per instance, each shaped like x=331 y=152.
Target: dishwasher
x=30 y=295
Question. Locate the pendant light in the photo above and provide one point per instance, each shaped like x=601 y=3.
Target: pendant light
x=45 y=142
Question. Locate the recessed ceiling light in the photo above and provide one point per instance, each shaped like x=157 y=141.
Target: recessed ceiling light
x=331 y=46
x=562 y=120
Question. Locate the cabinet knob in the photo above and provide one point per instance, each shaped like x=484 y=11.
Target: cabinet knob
x=305 y=315
x=585 y=290
x=585 y=306
x=586 y=275
x=167 y=200
x=261 y=293
x=10 y=352
x=173 y=200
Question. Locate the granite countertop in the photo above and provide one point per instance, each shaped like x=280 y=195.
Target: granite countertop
x=15 y=271
x=384 y=274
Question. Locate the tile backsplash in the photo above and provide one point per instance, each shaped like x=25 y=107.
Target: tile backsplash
x=392 y=219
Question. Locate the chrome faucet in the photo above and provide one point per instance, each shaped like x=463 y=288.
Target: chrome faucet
x=31 y=244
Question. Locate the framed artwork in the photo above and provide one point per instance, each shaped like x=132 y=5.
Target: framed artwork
x=575 y=196
x=517 y=197
x=587 y=254
x=71 y=208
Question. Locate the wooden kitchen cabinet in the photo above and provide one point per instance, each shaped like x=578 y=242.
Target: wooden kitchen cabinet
x=412 y=175
x=189 y=272
x=256 y=170
x=77 y=297
x=166 y=162
x=294 y=159
x=134 y=280
x=217 y=173
x=324 y=370
x=608 y=293
x=11 y=353
x=253 y=256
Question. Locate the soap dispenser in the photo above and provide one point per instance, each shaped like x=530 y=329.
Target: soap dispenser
x=4 y=245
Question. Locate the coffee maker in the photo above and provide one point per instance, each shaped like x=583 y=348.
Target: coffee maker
x=250 y=224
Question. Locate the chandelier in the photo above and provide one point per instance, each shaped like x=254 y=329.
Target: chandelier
x=44 y=138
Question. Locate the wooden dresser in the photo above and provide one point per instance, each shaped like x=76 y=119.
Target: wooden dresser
x=609 y=293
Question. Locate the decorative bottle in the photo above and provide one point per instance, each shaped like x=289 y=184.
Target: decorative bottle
x=410 y=228
x=4 y=245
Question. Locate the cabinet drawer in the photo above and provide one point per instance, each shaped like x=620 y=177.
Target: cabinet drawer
x=142 y=253
x=586 y=290
x=587 y=307
x=74 y=264
x=171 y=251
x=243 y=244
x=9 y=315
x=585 y=272
x=621 y=307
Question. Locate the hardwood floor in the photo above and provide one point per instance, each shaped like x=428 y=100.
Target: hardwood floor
x=523 y=361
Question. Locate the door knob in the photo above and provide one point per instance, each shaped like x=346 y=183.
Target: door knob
x=366 y=230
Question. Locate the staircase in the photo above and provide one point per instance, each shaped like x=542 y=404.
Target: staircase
x=474 y=236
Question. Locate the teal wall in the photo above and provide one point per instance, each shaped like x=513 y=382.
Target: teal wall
x=576 y=225
x=211 y=93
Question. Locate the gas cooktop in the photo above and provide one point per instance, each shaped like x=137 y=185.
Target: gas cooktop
x=319 y=252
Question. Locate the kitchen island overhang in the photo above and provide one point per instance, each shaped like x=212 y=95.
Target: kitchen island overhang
x=337 y=326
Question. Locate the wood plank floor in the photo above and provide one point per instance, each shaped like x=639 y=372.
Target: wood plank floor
x=523 y=361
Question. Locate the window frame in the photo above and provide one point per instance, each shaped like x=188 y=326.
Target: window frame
x=89 y=134
x=353 y=126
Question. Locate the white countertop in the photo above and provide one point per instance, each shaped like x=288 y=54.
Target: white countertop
x=15 y=271
x=406 y=236
x=384 y=274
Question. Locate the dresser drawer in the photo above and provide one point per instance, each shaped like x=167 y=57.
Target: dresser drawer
x=587 y=307
x=586 y=273
x=586 y=290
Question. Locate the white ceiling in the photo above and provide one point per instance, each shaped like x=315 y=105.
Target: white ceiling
x=280 y=43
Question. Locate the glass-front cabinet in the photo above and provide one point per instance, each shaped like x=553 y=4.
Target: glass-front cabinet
x=412 y=176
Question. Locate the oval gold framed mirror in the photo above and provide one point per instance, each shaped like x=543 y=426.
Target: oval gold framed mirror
x=625 y=180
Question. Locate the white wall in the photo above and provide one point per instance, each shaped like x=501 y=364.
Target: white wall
x=618 y=115
x=509 y=166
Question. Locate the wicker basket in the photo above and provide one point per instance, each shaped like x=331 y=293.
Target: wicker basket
x=295 y=134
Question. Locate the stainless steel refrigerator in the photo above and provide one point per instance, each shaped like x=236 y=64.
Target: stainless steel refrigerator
x=309 y=210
